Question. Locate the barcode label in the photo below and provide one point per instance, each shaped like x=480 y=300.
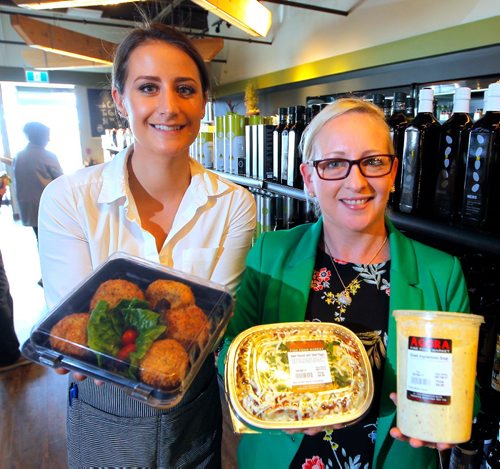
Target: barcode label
x=429 y=367
x=422 y=381
x=309 y=367
x=304 y=374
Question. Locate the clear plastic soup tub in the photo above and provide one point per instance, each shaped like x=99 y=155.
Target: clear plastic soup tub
x=298 y=375
x=152 y=347
x=436 y=370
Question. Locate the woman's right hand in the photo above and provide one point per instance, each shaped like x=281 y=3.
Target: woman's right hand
x=77 y=376
x=414 y=442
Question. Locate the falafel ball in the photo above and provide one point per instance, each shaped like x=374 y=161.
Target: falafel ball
x=188 y=325
x=71 y=330
x=165 y=364
x=177 y=294
x=114 y=291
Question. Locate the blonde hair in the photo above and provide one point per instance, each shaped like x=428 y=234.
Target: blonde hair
x=338 y=108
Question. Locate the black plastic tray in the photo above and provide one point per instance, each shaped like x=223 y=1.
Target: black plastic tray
x=215 y=300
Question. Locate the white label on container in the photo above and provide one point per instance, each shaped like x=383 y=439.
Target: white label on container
x=429 y=370
x=309 y=367
x=238 y=147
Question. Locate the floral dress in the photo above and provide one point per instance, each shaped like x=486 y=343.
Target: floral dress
x=366 y=314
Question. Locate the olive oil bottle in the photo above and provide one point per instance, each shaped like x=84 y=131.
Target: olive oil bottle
x=453 y=143
x=481 y=201
x=397 y=123
x=419 y=166
x=285 y=145
x=294 y=178
x=278 y=130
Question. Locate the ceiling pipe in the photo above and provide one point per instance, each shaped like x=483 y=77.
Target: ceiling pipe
x=12 y=43
x=308 y=7
x=241 y=39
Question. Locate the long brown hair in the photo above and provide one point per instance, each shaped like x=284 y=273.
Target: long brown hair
x=155 y=32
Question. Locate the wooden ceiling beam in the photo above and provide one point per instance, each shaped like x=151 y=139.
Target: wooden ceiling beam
x=63 y=41
x=55 y=39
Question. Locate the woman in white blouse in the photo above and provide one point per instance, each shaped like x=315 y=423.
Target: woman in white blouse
x=152 y=200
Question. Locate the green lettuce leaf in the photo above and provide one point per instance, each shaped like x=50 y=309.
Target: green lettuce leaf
x=106 y=326
x=104 y=331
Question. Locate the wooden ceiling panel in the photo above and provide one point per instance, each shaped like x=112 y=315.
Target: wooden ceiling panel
x=60 y=40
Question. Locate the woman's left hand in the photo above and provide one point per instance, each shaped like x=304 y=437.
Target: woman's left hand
x=414 y=442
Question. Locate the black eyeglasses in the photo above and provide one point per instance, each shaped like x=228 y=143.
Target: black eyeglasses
x=332 y=169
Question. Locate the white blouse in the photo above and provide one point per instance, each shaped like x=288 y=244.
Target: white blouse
x=86 y=216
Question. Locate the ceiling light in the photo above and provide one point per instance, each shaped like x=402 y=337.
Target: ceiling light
x=48 y=5
x=249 y=15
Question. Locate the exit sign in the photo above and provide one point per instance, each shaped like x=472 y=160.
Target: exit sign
x=37 y=76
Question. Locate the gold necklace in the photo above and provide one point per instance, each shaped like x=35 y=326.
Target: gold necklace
x=344 y=297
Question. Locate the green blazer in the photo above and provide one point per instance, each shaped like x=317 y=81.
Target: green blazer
x=275 y=288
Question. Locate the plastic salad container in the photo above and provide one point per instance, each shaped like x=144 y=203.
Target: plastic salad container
x=134 y=323
x=298 y=375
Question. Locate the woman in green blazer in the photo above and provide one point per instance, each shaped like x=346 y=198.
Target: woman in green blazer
x=285 y=281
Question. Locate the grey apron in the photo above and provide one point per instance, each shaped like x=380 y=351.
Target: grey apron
x=108 y=428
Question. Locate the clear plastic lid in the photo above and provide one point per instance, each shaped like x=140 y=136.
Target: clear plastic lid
x=137 y=324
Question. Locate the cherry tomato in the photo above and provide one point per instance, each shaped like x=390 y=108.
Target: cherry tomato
x=129 y=336
x=125 y=351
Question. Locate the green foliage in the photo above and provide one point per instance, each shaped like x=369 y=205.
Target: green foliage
x=106 y=327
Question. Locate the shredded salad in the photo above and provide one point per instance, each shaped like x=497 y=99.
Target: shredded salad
x=286 y=374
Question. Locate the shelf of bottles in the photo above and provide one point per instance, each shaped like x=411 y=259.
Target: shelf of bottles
x=260 y=153
x=447 y=195
x=446 y=172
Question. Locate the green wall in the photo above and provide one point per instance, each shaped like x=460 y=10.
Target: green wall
x=457 y=38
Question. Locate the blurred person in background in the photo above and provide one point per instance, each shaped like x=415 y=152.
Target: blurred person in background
x=34 y=168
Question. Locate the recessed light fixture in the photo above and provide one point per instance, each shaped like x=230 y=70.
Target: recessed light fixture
x=248 y=15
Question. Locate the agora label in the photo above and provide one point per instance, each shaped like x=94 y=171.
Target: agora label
x=430 y=344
